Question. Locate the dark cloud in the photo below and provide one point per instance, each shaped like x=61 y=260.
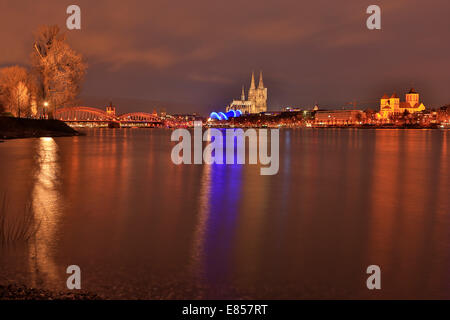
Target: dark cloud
x=201 y=52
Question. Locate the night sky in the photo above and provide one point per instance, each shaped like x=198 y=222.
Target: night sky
x=202 y=52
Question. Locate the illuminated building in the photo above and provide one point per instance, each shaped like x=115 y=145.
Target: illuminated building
x=392 y=105
x=256 y=102
x=257 y=98
x=443 y=114
x=111 y=110
x=339 y=117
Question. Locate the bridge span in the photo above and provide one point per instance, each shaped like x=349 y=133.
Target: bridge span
x=95 y=117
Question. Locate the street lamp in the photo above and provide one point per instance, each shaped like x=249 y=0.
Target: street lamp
x=45 y=106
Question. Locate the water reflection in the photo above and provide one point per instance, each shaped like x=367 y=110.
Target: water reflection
x=220 y=235
x=47 y=209
x=113 y=203
x=214 y=237
x=198 y=244
x=405 y=223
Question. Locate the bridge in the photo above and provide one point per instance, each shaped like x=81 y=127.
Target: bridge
x=95 y=117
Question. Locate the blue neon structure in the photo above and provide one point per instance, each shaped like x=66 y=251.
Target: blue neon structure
x=231 y=114
x=215 y=116
x=225 y=116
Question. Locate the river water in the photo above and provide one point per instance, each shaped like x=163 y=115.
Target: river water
x=113 y=203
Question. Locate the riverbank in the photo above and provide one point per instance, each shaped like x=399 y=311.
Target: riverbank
x=17 y=128
x=225 y=126
x=20 y=292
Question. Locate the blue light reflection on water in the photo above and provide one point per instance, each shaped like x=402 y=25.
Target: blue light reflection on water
x=224 y=198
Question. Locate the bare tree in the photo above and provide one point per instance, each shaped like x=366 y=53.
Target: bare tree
x=16 y=90
x=59 y=68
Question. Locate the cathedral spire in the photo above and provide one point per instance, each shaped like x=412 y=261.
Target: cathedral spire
x=252 y=85
x=243 y=94
x=261 y=83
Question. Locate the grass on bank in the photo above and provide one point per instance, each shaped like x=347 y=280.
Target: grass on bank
x=18 y=228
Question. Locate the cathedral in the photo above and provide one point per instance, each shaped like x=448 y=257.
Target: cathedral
x=257 y=98
x=393 y=106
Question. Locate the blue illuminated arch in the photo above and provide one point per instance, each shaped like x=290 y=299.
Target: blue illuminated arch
x=231 y=114
x=215 y=115
x=223 y=115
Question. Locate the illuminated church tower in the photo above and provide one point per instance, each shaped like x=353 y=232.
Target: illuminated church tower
x=252 y=94
x=392 y=106
x=261 y=96
x=412 y=97
x=258 y=95
x=256 y=101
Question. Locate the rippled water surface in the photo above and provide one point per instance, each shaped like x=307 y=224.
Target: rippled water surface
x=139 y=226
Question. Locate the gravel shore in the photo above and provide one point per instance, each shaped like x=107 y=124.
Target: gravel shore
x=20 y=292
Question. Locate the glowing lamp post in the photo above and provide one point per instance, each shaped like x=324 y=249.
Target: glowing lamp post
x=45 y=106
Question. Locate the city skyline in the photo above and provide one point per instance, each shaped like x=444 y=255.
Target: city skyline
x=221 y=156
x=310 y=52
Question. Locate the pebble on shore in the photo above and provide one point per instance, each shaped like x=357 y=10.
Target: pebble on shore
x=20 y=292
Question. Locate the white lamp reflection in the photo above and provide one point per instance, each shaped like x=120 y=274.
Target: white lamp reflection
x=46 y=206
x=197 y=255
x=198 y=246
